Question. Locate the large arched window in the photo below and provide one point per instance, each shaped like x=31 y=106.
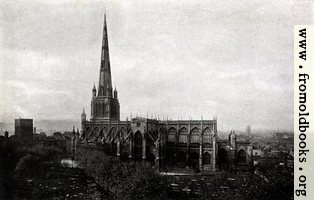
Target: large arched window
x=195 y=136
x=241 y=156
x=183 y=135
x=138 y=144
x=172 y=135
x=207 y=136
x=206 y=158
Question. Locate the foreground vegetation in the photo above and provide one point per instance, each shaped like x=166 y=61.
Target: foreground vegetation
x=34 y=172
x=130 y=180
x=122 y=180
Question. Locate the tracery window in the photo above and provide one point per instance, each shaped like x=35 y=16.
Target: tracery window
x=241 y=156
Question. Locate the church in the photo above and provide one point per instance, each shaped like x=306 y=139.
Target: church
x=190 y=144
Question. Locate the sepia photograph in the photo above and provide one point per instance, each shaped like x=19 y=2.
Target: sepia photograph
x=148 y=99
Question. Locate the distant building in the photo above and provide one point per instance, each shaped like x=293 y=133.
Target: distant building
x=24 y=128
x=234 y=153
x=248 y=130
x=257 y=152
x=282 y=142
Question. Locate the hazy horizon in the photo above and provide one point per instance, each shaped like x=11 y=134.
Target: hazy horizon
x=51 y=126
x=187 y=59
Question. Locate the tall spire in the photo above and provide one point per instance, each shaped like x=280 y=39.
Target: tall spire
x=105 y=85
x=103 y=105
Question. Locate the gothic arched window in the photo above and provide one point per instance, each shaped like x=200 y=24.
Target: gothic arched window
x=207 y=136
x=195 y=136
x=241 y=156
x=183 y=135
x=172 y=135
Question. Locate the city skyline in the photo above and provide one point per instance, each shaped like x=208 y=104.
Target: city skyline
x=174 y=60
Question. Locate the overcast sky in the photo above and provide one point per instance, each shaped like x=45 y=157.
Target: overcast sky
x=229 y=59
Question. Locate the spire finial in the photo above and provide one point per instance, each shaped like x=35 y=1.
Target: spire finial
x=83 y=110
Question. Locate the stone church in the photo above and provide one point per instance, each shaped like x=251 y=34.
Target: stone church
x=163 y=143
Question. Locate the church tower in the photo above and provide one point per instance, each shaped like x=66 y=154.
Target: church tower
x=104 y=105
